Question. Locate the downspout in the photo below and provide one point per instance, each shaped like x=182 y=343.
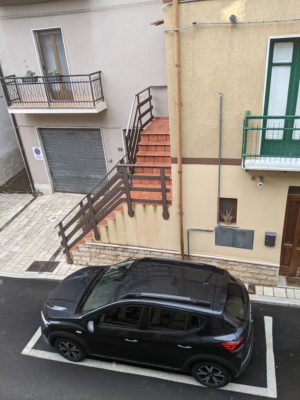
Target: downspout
x=20 y=143
x=220 y=152
x=178 y=121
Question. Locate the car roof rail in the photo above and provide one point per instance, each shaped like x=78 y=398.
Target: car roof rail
x=170 y=297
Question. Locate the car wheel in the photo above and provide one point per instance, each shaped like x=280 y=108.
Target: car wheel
x=69 y=349
x=211 y=374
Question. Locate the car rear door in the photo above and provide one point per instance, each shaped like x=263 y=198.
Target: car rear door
x=172 y=336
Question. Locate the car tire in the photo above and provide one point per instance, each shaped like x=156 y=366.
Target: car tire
x=211 y=374
x=70 y=349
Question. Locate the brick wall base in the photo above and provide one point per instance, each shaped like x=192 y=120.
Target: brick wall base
x=103 y=254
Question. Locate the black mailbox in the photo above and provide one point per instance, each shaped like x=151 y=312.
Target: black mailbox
x=270 y=239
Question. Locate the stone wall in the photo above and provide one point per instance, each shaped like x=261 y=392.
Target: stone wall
x=102 y=254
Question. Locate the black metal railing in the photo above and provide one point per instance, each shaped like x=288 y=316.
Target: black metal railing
x=55 y=91
x=121 y=185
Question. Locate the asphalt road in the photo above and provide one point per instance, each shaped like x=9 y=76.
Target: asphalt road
x=24 y=377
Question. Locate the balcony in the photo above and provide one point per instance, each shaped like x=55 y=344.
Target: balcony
x=271 y=143
x=55 y=94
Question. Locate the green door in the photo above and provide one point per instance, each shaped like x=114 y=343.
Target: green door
x=281 y=134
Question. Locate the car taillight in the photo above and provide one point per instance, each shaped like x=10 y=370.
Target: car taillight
x=233 y=346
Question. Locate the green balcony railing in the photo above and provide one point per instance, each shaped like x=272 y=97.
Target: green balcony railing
x=271 y=142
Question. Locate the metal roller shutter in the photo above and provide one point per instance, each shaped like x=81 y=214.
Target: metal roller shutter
x=75 y=158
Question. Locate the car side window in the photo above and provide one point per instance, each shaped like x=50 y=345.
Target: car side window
x=122 y=316
x=170 y=320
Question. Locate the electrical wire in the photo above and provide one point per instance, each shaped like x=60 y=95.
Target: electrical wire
x=199 y=24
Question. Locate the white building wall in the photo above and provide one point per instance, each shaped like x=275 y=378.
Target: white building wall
x=10 y=157
x=113 y=36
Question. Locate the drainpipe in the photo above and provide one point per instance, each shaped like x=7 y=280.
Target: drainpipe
x=20 y=143
x=178 y=121
x=220 y=151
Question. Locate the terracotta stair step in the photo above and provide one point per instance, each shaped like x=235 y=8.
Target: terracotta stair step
x=153 y=159
x=153 y=153
x=154 y=143
x=111 y=216
x=147 y=182
x=154 y=148
x=151 y=171
x=150 y=185
x=149 y=196
x=154 y=131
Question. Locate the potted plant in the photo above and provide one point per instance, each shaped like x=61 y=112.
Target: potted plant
x=30 y=77
x=53 y=76
x=227 y=217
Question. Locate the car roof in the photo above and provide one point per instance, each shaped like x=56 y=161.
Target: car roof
x=168 y=280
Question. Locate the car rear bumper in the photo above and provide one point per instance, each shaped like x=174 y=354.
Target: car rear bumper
x=248 y=355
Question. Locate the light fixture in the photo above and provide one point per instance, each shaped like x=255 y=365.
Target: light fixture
x=259 y=181
x=233 y=19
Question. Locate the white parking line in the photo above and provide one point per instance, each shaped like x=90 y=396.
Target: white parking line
x=270 y=391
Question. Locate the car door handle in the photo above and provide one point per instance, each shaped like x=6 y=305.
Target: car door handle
x=184 y=347
x=131 y=340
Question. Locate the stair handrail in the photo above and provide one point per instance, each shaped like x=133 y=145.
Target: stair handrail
x=117 y=164
x=116 y=190
x=135 y=122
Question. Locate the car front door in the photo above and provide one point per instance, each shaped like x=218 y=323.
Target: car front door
x=117 y=332
x=172 y=336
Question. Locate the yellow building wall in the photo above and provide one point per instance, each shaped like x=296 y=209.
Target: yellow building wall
x=222 y=58
x=229 y=59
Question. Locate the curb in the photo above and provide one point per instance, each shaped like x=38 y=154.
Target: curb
x=277 y=301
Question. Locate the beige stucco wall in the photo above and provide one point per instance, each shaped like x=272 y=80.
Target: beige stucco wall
x=222 y=58
x=228 y=59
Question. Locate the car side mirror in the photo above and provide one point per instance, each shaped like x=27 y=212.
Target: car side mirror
x=91 y=326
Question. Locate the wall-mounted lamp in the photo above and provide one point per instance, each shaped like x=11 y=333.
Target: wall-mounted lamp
x=259 y=181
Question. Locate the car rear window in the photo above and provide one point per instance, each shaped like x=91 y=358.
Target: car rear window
x=236 y=303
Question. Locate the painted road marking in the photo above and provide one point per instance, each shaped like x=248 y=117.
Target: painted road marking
x=270 y=391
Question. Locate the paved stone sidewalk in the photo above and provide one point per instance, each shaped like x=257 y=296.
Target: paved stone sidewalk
x=275 y=295
x=11 y=204
x=32 y=236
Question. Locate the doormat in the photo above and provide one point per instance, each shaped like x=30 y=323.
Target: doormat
x=293 y=281
x=43 y=266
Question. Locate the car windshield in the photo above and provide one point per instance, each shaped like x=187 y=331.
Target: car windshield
x=107 y=287
x=237 y=303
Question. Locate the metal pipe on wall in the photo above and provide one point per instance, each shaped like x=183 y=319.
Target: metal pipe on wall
x=178 y=105
x=219 y=152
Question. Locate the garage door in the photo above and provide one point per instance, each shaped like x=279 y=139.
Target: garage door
x=75 y=158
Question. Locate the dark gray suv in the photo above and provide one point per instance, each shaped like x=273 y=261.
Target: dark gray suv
x=182 y=316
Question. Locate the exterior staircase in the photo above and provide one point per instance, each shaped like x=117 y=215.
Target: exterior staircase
x=153 y=150
x=145 y=180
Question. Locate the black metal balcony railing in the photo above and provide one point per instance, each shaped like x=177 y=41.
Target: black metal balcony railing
x=55 y=91
x=271 y=142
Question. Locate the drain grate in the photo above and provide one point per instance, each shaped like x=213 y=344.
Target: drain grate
x=293 y=281
x=43 y=266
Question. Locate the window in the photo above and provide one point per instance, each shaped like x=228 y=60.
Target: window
x=107 y=287
x=236 y=303
x=227 y=210
x=282 y=135
x=166 y=319
x=126 y=316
